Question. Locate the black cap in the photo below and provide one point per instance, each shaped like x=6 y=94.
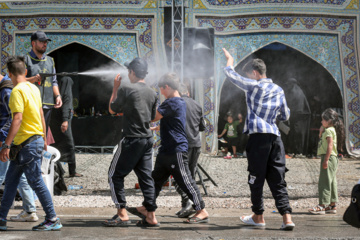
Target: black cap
x=39 y=35
x=139 y=66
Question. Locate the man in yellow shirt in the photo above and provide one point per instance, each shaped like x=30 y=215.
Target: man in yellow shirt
x=28 y=134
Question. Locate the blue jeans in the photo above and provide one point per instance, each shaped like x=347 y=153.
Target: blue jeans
x=25 y=190
x=28 y=161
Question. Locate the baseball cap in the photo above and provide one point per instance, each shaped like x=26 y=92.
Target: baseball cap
x=39 y=35
x=139 y=66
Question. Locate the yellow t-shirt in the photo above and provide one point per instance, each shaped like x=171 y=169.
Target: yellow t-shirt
x=25 y=98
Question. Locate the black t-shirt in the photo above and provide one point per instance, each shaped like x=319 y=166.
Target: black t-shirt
x=138 y=103
x=172 y=126
x=193 y=121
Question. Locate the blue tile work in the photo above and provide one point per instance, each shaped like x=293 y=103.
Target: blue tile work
x=328 y=40
x=120 y=47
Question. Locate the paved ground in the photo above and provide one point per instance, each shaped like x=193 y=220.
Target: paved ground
x=81 y=223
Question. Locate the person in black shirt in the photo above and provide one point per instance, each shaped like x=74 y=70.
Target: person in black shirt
x=172 y=157
x=194 y=124
x=137 y=102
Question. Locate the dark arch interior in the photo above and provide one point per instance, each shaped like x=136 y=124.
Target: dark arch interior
x=283 y=62
x=92 y=124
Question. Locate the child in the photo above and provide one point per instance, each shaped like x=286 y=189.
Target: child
x=231 y=136
x=331 y=133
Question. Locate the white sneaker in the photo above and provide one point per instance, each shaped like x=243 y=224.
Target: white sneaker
x=25 y=217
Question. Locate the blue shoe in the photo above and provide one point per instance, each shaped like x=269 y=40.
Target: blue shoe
x=3 y=226
x=48 y=225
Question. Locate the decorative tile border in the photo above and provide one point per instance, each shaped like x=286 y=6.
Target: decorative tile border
x=118 y=34
x=322 y=38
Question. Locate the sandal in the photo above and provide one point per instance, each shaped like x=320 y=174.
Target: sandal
x=116 y=221
x=196 y=220
x=330 y=209
x=317 y=210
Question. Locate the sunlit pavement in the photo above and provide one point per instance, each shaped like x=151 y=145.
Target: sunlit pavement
x=82 y=223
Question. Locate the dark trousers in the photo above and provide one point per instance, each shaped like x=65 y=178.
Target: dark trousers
x=177 y=165
x=193 y=154
x=47 y=117
x=266 y=161
x=133 y=154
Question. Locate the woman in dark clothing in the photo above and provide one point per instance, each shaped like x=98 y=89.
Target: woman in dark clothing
x=61 y=126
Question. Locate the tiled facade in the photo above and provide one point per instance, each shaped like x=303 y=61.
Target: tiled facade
x=326 y=30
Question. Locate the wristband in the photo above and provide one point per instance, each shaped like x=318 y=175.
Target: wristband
x=57 y=96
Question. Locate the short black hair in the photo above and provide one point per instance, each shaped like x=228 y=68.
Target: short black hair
x=183 y=90
x=255 y=64
x=171 y=79
x=16 y=65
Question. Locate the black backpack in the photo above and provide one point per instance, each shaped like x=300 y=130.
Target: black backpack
x=352 y=213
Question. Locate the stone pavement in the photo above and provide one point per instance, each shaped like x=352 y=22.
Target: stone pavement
x=86 y=223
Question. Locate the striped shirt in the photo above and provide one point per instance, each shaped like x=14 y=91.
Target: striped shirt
x=265 y=101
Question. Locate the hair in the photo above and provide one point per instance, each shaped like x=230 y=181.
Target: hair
x=255 y=64
x=16 y=65
x=183 y=90
x=171 y=79
x=332 y=116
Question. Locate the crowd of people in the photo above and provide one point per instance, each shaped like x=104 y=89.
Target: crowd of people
x=27 y=101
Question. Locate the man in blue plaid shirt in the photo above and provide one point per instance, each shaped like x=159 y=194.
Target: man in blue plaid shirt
x=266 y=104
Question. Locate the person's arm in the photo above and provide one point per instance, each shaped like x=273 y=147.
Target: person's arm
x=44 y=127
x=284 y=110
x=328 y=152
x=5 y=128
x=158 y=116
x=33 y=79
x=222 y=134
x=14 y=128
x=117 y=83
x=245 y=84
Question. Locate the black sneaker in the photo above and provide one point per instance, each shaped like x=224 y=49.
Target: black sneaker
x=3 y=226
x=48 y=225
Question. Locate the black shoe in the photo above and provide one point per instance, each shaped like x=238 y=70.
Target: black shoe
x=186 y=211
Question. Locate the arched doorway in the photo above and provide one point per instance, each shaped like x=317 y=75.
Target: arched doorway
x=92 y=123
x=283 y=63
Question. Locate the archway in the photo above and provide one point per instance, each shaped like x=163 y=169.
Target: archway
x=283 y=63
x=92 y=123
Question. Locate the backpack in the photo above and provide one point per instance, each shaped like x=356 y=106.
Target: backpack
x=352 y=213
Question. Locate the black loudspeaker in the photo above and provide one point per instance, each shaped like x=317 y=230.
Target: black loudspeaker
x=198 y=52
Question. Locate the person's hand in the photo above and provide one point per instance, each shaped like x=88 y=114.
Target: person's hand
x=58 y=102
x=117 y=81
x=227 y=54
x=38 y=78
x=4 y=154
x=219 y=136
x=156 y=128
x=325 y=164
x=64 y=126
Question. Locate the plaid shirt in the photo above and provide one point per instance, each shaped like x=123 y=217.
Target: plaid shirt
x=265 y=100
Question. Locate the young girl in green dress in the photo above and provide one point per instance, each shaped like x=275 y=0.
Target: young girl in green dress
x=331 y=138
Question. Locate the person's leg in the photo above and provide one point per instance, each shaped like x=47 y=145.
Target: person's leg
x=257 y=165
x=160 y=173
x=3 y=169
x=124 y=161
x=11 y=182
x=181 y=173
x=325 y=179
x=47 y=116
x=29 y=208
x=143 y=171
x=333 y=165
x=30 y=159
x=27 y=195
x=275 y=177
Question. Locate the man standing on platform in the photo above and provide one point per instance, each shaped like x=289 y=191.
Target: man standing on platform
x=36 y=62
